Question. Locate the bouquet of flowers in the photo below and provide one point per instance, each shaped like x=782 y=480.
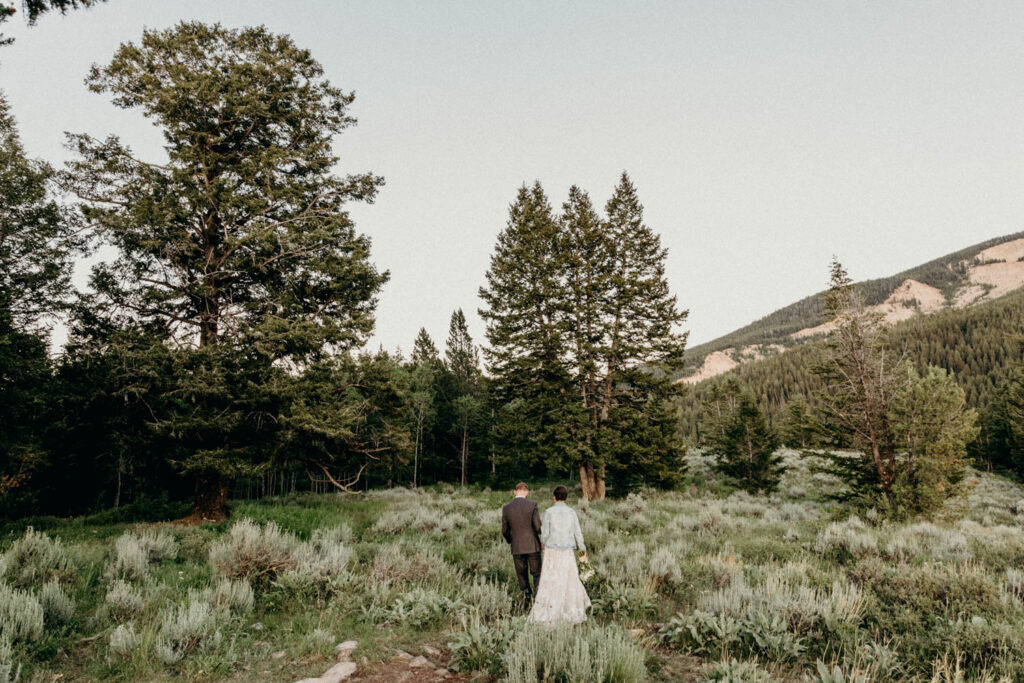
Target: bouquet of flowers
x=587 y=571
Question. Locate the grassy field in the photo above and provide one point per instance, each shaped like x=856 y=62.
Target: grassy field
x=703 y=584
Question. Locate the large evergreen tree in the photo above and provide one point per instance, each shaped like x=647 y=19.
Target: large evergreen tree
x=36 y=246
x=237 y=248
x=644 y=350
x=524 y=308
x=584 y=340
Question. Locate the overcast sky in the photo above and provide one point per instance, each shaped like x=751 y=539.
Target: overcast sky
x=762 y=137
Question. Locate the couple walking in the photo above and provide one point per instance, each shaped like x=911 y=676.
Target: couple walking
x=558 y=595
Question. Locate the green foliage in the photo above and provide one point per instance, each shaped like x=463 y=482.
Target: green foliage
x=929 y=417
x=480 y=648
x=420 y=608
x=1001 y=441
x=735 y=671
x=719 y=635
x=526 y=349
x=743 y=442
x=800 y=428
x=36 y=8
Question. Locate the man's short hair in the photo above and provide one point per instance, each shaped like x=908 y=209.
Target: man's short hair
x=521 y=486
x=561 y=493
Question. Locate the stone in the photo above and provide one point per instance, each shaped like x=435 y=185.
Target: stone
x=345 y=650
x=431 y=650
x=257 y=626
x=419 y=662
x=278 y=655
x=402 y=654
x=338 y=672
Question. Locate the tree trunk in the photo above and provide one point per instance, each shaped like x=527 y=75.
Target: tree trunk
x=592 y=482
x=211 y=498
x=465 y=451
x=120 y=470
x=416 y=453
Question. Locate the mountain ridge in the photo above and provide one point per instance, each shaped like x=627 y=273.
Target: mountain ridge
x=976 y=274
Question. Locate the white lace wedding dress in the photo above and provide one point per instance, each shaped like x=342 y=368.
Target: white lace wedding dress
x=561 y=597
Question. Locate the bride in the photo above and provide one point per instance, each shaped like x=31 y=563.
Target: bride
x=561 y=597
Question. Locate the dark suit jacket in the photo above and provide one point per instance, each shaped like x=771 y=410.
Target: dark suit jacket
x=520 y=525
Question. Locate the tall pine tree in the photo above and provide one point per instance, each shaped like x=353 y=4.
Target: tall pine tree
x=524 y=308
x=424 y=367
x=238 y=247
x=644 y=350
x=463 y=363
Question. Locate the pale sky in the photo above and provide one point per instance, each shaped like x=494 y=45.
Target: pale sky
x=762 y=137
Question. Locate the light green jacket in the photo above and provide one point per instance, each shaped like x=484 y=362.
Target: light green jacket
x=561 y=529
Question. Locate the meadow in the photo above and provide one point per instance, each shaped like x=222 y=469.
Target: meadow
x=699 y=584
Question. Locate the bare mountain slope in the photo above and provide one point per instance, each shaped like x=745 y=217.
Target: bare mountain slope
x=968 y=277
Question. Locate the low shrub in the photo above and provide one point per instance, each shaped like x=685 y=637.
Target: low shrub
x=420 y=608
x=134 y=553
x=589 y=653
x=421 y=518
x=720 y=635
x=664 y=566
x=480 y=648
x=848 y=539
x=21 y=615
x=258 y=554
x=10 y=670
x=124 y=640
x=928 y=541
x=396 y=563
x=185 y=629
x=58 y=608
x=34 y=559
x=324 y=556
x=123 y=600
x=228 y=598
x=633 y=603
x=735 y=671
x=487 y=599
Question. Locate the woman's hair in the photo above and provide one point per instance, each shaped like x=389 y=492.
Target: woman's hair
x=561 y=493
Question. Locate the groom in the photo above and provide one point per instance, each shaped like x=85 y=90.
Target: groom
x=520 y=525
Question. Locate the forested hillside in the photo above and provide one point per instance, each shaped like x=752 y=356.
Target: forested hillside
x=947 y=274
x=978 y=345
